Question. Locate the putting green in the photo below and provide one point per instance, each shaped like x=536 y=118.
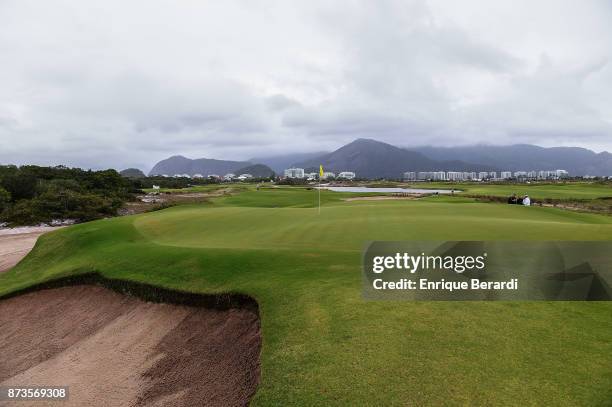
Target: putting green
x=322 y=343
x=348 y=227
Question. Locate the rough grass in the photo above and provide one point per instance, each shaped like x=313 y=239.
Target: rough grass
x=322 y=343
x=198 y=188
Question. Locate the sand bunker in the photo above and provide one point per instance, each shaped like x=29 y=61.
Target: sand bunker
x=16 y=243
x=117 y=350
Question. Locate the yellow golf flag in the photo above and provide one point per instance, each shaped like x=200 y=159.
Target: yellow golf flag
x=321 y=171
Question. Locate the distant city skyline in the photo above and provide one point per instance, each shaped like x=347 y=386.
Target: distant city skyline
x=105 y=84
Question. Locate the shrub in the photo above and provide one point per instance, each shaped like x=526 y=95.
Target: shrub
x=33 y=194
x=5 y=198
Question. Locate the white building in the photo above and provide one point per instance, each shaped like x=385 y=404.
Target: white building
x=556 y=174
x=229 y=176
x=410 y=176
x=493 y=175
x=542 y=174
x=243 y=177
x=439 y=176
x=483 y=175
x=506 y=175
x=346 y=175
x=432 y=175
x=294 y=173
x=454 y=176
x=198 y=176
x=327 y=175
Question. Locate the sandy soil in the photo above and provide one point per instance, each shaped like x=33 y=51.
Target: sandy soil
x=133 y=208
x=16 y=243
x=116 y=350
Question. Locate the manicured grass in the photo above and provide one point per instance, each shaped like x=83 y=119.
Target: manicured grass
x=569 y=190
x=287 y=197
x=347 y=227
x=322 y=343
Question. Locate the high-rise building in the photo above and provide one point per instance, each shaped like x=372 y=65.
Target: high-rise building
x=432 y=175
x=294 y=173
x=410 y=176
x=454 y=176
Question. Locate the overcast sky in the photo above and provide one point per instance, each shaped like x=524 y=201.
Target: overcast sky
x=126 y=83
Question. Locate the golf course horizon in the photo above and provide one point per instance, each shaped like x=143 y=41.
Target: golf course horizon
x=322 y=344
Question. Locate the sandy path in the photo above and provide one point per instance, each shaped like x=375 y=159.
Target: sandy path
x=116 y=350
x=16 y=243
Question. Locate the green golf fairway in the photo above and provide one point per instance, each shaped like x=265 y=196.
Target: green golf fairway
x=570 y=190
x=322 y=343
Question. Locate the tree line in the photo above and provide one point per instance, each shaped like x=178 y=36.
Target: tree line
x=31 y=194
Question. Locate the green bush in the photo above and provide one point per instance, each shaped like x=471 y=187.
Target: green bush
x=32 y=194
x=5 y=199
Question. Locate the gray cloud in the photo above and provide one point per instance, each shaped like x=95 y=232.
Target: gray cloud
x=111 y=86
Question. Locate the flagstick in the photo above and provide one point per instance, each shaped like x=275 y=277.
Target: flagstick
x=319 y=194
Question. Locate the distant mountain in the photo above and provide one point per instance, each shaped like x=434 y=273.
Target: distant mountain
x=374 y=159
x=576 y=160
x=132 y=173
x=205 y=166
x=256 y=170
x=280 y=162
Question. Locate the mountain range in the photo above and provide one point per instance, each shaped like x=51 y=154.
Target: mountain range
x=374 y=159
x=132 y=173
x=279 y=162
x=205 y=166
x=256 y=170
x=576 y=160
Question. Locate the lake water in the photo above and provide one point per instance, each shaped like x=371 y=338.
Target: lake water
x=389 y=190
